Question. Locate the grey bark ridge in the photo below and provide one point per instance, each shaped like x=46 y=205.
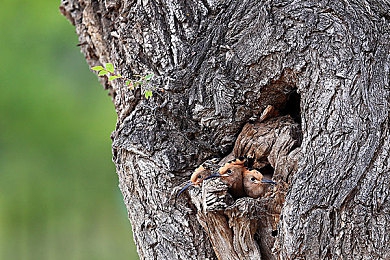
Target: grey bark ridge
x=220 y=63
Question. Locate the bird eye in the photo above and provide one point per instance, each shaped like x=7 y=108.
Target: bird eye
x=253 y=179
x=229 y=171
x=200 y=177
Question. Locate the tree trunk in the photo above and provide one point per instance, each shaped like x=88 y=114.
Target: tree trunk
x=217 y=65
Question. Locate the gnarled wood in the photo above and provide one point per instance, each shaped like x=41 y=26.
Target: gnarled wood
x=220 y=63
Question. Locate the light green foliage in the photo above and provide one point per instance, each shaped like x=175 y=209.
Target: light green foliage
x=112 y=77
x=142 y=80
x=148 y=94
x=109 y=70
x=148 y=77
x=102 y=73
x=110 y=67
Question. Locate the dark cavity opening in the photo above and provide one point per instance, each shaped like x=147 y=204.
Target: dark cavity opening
x=267 y=171
x=292 y=106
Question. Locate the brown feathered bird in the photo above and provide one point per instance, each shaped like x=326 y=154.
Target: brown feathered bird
x=203 y=171
x=255 y=184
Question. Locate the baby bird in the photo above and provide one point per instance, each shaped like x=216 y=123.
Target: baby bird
x=200 y=173
x=255 y=185
x=231 y=174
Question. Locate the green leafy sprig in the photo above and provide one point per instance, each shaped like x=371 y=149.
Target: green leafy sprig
x=109 y=71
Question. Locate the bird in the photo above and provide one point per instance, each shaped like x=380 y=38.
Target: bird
x=231 y=175
x=255 y=184
x=198 y=176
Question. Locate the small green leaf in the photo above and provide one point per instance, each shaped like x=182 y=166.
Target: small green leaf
x=110 y=67
x=128 y=82
x=97 y=68
x=114 y=77
x=148 y=94
x=148 y=77
x=102 y=72
x=137 y=83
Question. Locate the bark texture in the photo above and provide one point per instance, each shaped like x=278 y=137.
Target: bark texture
x=219 y=64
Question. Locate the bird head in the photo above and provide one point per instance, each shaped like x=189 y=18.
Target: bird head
x=255 y=185
x=231 y=175
x=230 y=169
x=197 y=177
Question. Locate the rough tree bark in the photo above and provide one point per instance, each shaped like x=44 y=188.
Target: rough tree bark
x=219 y=64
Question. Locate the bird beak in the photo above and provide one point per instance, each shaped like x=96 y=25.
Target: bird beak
x=189 y=184
x=216 y=174
x=268 y=181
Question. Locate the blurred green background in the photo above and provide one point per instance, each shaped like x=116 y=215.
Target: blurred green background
x=59 y=195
